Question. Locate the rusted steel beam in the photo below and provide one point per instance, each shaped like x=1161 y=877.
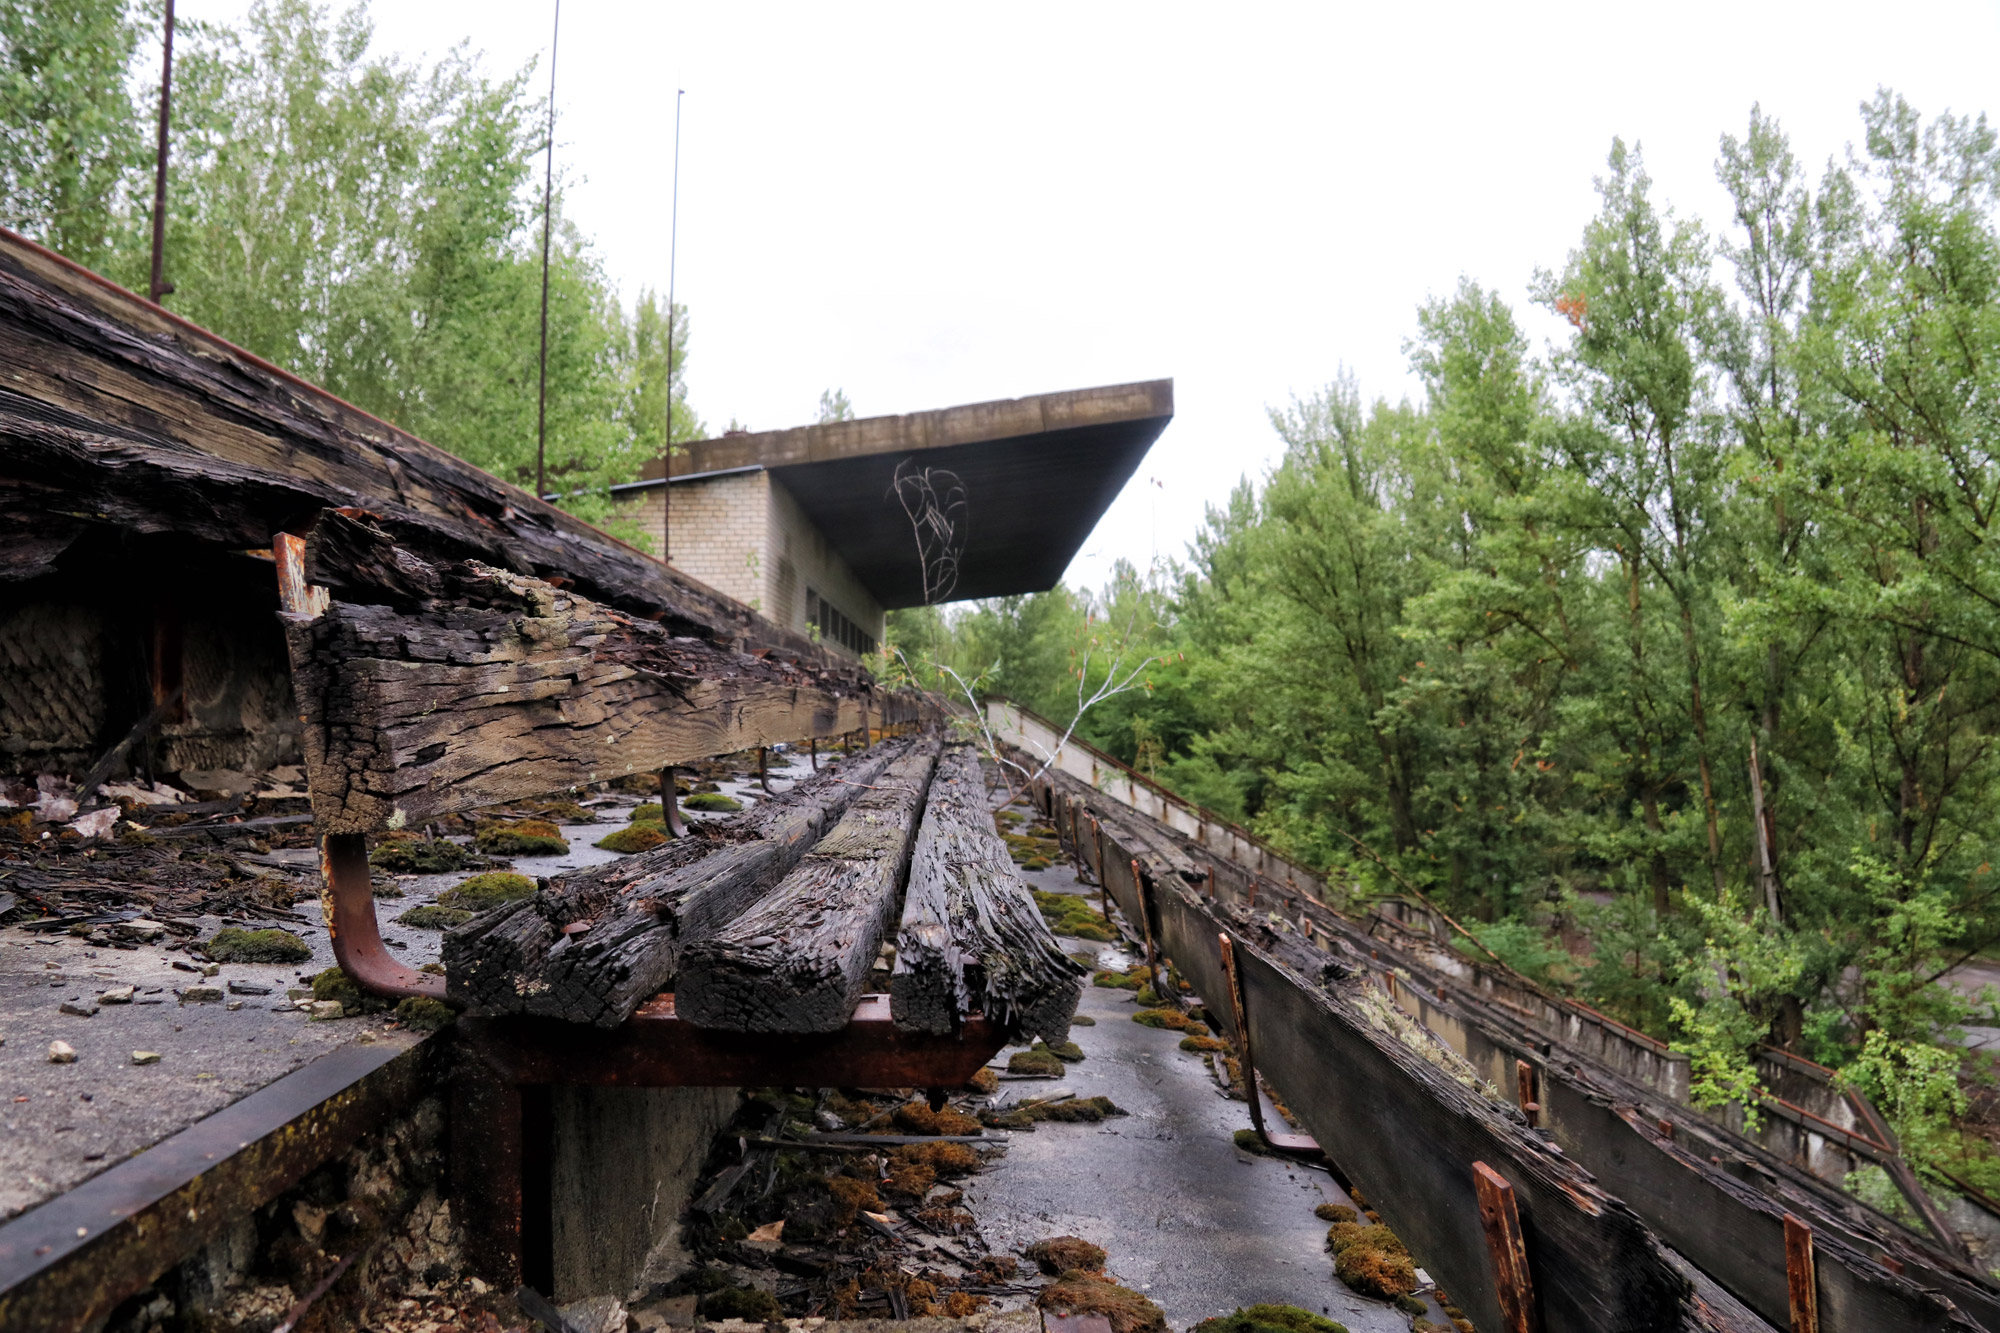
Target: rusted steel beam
x=670 y=802
x=347 y=900
x=1800 y=1277
x=69 y=1262
x=1293 y=1145
x=1524 y=1086
x=1501 y=1217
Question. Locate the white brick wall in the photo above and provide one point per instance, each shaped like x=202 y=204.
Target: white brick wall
x=745 y=535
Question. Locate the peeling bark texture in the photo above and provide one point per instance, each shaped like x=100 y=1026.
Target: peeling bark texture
x=593 y=946
x=475 y=685
x=972 y=940
x=115 y=414
x=799 y=960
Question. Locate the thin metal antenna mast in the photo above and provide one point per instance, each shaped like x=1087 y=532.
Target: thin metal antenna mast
x=548 y=193
x=160 y=286
x=673 y=239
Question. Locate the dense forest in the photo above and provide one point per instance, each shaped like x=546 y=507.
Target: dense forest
x=1668 y=655
x=371 y=225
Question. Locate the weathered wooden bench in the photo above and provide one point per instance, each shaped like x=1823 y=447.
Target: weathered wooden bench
x=429 y=689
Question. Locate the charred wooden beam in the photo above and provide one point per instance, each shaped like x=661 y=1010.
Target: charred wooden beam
x=799 y=960
x=116 y=413
x=501 y=686
x=593 y=946
x=972 y=940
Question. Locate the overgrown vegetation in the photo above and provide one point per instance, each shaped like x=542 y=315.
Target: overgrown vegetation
x=1666 y=655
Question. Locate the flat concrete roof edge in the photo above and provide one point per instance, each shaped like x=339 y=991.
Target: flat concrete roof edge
x=969 y=423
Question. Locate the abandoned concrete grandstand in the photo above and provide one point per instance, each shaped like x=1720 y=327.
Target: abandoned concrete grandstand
x=260 y=648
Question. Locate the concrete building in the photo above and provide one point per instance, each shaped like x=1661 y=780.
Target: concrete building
x=826 y=528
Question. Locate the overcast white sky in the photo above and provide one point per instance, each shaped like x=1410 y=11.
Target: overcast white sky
x=934 y=204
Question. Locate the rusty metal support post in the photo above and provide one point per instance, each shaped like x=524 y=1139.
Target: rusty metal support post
x=815 y=754
x=1524 y=1087
x=670 y=803
x=1501 y=1218
x=346 y=897
x=1293 y=1145
x=764 y=769
x=1146 y=917
x=1801 y=1280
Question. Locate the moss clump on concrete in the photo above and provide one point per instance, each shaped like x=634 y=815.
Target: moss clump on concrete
x=423 y=1014
x=1082 y=1021
x=1070 y=913
x=1067 y=1051
x=1335 y=1212
x=984 y=1080
x=918 y=1118
x=408 y=854
x=850 y=1196
x=1093 y=1293
x=521 y=837
x=431 y=916
x=1066 y=1254
x=334 y=984
x=1173 y=1020
x=759 y=1307
x=1251 y=1142
x=233 y=945
x=713 y=800
x=1270 y=1319
x=1372 y=1260
x=565 y=812
x=946 y=1159
x=1070 y=1110
x=1038 y=1061
x=634 y=838
x=1200 y=1044
x=652 y=812
x=1132 y=980
x=1411 y=1305
x=484 y=892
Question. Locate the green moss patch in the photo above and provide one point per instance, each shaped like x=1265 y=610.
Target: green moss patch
x=1372 y=1260
x=484 y=892
x=334 y=984
x=652 y=812
x=521 y=837
x=1067 y=1051
x=1037 y=1061
x=1133 y=980
x=407 y=854
x=1082 y=1021
x=1070 y=1110
x=713 y=800
x=233 y=945
x=1091 y=1293
x=1173 y=1020
x=1202 y=1044
x=1270 y=1319
x=424 y=1014
x=565 y=812
x=432 y=916
x=1335 y=1212
x=634 y=838
x=1066 y=1254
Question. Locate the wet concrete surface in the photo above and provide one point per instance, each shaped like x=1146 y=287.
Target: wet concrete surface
x=1197 y=1224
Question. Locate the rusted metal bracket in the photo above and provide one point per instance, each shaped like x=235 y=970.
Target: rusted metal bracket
x=500 y=1151
x=1289 y=1145
x=1501 y=1217
x=347 y=897
x=1801 y=1280
x=670 y=803
x=1524 y=1086
x=1146 y=918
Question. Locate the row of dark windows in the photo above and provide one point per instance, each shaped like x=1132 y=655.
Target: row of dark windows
x=835 y=626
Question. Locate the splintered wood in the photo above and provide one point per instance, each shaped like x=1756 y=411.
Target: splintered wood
x=474 y=685
x=972 y=940
x=593 y=946
x=799 y=960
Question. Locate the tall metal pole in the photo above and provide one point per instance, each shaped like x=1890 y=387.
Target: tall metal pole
x=673 y=239
x=160 y=286
x=548 y=193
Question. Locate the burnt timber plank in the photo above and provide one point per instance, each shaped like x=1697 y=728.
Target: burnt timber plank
x=114 y=412
x=638 y=914
x=503 y=686
x=1729 y=1228
x=799 y=960
x=972 y=940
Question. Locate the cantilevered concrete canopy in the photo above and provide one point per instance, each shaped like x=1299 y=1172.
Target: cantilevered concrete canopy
x=1035 y=476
